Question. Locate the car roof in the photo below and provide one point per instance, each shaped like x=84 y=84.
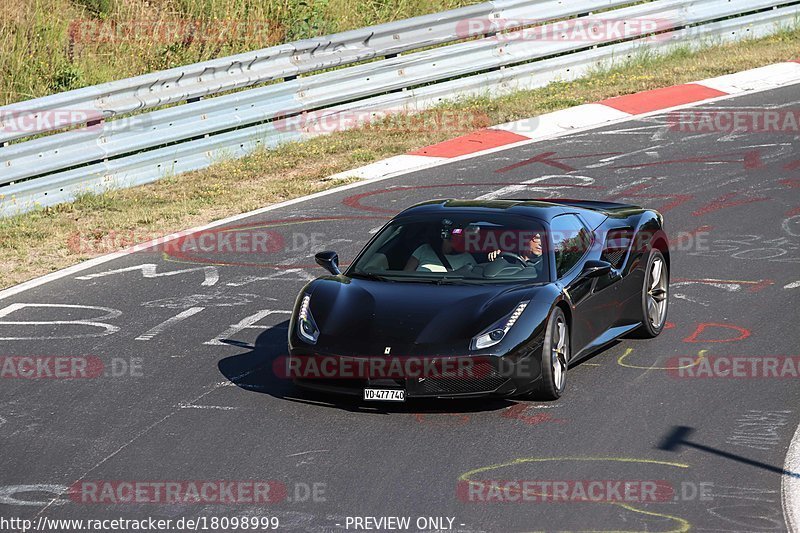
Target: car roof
x=540 y=209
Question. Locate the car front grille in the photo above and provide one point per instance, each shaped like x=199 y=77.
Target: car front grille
x=485 y=379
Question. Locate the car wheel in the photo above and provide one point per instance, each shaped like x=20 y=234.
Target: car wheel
x=655 y=296
x=555 y=357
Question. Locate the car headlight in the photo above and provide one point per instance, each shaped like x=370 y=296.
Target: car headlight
x=498 y=331
x=306 y=327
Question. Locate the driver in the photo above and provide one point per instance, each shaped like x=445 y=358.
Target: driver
x=531 y=256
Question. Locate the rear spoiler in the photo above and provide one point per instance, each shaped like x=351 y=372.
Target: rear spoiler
x=595 y=212
x=603 y=207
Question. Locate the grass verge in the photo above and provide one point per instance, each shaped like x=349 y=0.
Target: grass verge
x=49 y=46
x=39 y=242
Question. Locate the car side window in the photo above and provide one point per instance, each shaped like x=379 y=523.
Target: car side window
x=571 y=240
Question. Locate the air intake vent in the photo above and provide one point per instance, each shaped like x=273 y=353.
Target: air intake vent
x=618 y=241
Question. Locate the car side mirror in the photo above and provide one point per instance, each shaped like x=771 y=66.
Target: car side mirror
x=595 y=269
x=329 y=261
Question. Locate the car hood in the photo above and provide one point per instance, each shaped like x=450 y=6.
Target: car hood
x=364 y=316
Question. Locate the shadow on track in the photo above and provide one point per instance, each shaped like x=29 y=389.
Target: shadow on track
x=677 y=438
x=253 y=371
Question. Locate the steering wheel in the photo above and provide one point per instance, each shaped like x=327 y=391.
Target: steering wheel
x=515 y=258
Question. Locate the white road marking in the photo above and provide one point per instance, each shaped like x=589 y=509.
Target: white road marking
x=730 y=286
x=634 y=130
x=759 y=430
x=742 y=493
x=526 y=186
x=215 y=299
x=193 y=406
x=8 y=493
x=690 y=299
x=150 y=270
x=108 y=328
x=649 y=151
x=397 y=164
x=622 y=187
x=249 y=322
x=290 y=274
x=787 y=225
x=168 y=323
x=303 y=453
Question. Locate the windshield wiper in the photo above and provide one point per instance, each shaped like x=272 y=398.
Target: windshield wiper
x=445 y=279
x=370 y=276
x=410 y=279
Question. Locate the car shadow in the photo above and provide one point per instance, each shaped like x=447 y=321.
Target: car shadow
x=254 y=372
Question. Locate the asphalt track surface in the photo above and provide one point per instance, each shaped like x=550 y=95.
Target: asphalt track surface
x=204 y=404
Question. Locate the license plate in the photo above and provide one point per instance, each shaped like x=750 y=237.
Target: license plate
x=385 y=395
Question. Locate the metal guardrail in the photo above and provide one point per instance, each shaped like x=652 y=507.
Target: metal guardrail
x=236 y=110
x=289 y=60
x=243 y=70
x=132 y=151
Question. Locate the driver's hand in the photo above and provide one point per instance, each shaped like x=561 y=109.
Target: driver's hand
x=494 y=255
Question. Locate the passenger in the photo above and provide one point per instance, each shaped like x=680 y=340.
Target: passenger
x=425 y=257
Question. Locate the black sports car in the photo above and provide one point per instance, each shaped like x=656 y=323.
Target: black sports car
x=459 y=298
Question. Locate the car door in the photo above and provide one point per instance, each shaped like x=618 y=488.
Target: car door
x=594 y=306
x=570 y=242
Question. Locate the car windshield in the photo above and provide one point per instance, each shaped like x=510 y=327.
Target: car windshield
x=457 y=248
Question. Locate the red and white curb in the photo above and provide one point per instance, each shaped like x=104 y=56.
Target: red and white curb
x=582 y=117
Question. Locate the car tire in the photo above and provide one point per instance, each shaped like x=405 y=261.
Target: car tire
x=655 y=297
x=555 y=357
